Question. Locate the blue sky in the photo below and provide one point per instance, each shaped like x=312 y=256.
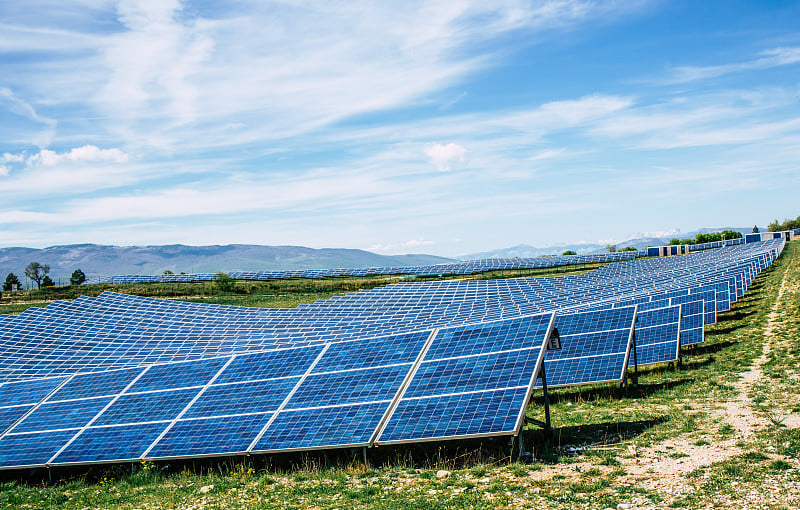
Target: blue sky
x=438 y=127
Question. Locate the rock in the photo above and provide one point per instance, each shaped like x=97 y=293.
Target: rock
x=442 y=474
x=623 y=506
x=206 y=488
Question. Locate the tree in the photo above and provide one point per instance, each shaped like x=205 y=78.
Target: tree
x=570 y=252
x=774 y=226
x=223 y=281
x=48 y=282
x=37 y=272
x=755 y=229
x=611 y=248
x=167 y=271
x=629 y=248
x=77 y=277
x=731 y=234
x=12 y=283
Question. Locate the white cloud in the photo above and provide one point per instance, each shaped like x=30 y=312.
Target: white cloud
x=4 y=171
x=444 y=156
x=775 y=57
x=85 y=154
x=12 y=158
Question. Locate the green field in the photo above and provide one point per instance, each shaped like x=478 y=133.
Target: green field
x=719 y=430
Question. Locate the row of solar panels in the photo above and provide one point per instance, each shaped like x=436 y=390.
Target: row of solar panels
x=361 y=388
x=453 y=268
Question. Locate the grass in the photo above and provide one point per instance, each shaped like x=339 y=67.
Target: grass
x=600 y=432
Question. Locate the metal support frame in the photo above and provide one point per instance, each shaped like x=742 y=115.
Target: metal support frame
x=635 y=357
x=546 y=423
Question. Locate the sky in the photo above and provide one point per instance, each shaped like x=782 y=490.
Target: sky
x=441 y=127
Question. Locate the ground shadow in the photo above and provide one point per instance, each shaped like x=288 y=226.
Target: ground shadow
x=576 y=439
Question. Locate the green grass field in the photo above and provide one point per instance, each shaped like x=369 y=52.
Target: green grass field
x=671 y=441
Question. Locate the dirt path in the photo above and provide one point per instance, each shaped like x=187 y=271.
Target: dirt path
x=663 y=467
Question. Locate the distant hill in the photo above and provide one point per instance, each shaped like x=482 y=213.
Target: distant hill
x=102 y=260
x=581 y=248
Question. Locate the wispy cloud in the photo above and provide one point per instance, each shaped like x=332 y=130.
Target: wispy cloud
x=775 y=57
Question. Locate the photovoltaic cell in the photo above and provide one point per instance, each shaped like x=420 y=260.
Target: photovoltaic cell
x=349 y=387
x=62 y=415
x=102 y=444
x=474 y=373
x=210 y=436
x=143 y=407
x=9 y=415
x=32 y=449
x=178 y=375
x=326 y=427
x=28 y=392
x=384 y=351
x=465 y=414
x=269 y=365
x=96 y=384
x=492 y=337
x=242 y=398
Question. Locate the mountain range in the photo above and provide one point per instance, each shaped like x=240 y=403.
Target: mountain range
x=581 y=248
x=103 y=260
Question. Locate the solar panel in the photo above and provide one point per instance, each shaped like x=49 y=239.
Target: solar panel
x=474 y=381
x=594 y=347
x=658 y=335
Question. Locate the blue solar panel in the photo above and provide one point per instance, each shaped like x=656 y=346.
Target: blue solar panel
x=464 y=414
x=474 y=373
x=350 y=425
x=385 y=351
x=32 y=449
x=102 y=444
x=269 y=365
x=62 y=415
x=96 y=384
x=242 y=398
x=28 y=392
x=493 y=337
x=210 y=436
x=178 y=375
x=657 y=335
x=9 y=415
x=143 y=407
x=349 y=387
x=593 y=348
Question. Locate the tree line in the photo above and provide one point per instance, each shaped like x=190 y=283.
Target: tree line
x=711 y=237
x=786 y=225
x=38 y=273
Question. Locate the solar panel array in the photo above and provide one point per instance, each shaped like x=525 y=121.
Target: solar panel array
x=449 y=268
x=119 y=378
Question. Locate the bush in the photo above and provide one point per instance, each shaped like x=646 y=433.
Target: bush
x=223 y=282
x=77 y=277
